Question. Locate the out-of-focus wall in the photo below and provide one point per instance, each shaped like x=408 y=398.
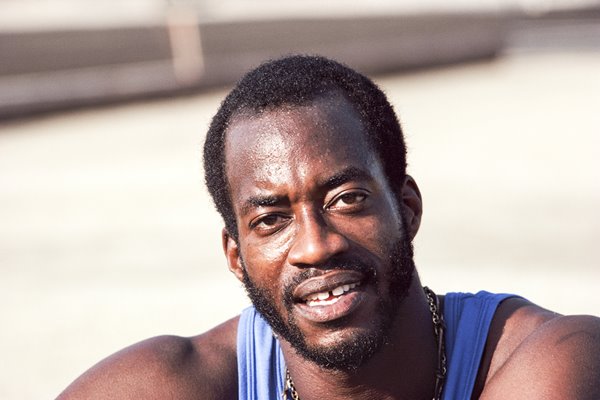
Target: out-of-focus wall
x=182 y=46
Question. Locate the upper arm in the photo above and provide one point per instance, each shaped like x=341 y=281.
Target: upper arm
x=164 y=367
x=560 y=359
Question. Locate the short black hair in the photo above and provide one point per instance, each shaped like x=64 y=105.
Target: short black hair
x=299 y=80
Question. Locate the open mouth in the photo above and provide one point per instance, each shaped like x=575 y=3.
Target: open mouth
x=331 y=296
x=326 y=298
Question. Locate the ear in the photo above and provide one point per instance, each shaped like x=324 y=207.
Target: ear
x=412 y=206
x=232 y=254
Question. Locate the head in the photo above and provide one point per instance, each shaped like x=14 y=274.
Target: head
x=306 y=163
x=297 y=81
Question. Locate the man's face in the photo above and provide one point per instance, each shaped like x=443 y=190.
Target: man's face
x=320 y=246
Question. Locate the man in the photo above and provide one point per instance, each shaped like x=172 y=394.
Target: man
x=305 y=161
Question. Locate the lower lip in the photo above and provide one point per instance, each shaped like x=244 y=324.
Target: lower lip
x=346 y=304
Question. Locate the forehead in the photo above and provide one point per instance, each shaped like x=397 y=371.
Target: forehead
x=326 y=129
x=289 y=152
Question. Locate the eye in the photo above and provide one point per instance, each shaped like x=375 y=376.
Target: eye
x=268 y=223
x=349 y=201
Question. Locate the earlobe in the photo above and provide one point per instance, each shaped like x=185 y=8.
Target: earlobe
x=232 y=254
x=412 y=206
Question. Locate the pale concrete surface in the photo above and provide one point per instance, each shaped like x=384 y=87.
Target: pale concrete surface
x=107 y=236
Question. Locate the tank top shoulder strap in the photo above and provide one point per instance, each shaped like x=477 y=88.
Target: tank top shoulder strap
x=468 y=317
x=259 y=359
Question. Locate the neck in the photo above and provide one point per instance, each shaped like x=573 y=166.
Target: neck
x=404 y=368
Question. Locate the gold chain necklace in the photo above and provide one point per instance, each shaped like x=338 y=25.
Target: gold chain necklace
x=290 y=392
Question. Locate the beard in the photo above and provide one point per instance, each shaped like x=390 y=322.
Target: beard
x=351 y=353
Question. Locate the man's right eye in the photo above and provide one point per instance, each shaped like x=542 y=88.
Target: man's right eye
x=268 y=223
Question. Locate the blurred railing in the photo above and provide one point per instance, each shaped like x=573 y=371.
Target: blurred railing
x=51 y=68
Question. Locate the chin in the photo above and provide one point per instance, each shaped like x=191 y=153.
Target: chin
x=349 y=334
x=345 y=350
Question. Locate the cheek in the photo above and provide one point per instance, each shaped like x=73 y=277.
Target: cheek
x=265 y=260
x=376 y=232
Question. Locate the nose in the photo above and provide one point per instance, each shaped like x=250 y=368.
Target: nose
x=315 y=242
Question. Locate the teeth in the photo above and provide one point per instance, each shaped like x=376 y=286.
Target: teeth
x=313 y=303
x=320 y=299
x=323 y=295
x=337 y=291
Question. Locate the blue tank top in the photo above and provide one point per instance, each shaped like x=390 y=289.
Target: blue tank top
x=261 y=367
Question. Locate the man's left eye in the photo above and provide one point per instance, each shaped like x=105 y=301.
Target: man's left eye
x=348 y=200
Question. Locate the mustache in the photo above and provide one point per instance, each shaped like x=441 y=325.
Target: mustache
x=336 y=263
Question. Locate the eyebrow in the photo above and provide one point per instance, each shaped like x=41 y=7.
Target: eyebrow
x=262 y=201
x=345 y=175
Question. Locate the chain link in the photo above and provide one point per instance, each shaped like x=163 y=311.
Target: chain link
x=438 y=330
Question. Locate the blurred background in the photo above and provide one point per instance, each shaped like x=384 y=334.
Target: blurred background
x=107 y=235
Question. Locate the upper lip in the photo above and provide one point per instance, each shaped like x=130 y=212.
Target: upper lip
x=326 y=282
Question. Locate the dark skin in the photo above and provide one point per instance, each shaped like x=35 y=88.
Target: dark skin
x=314 y=221
x=288 y=156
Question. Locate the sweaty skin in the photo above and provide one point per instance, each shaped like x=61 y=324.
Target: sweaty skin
x=294 y=214
x=308 y=205
x=309 y=221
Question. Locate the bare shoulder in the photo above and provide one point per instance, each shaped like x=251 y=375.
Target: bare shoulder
x=538 y=354
x=201 y=367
